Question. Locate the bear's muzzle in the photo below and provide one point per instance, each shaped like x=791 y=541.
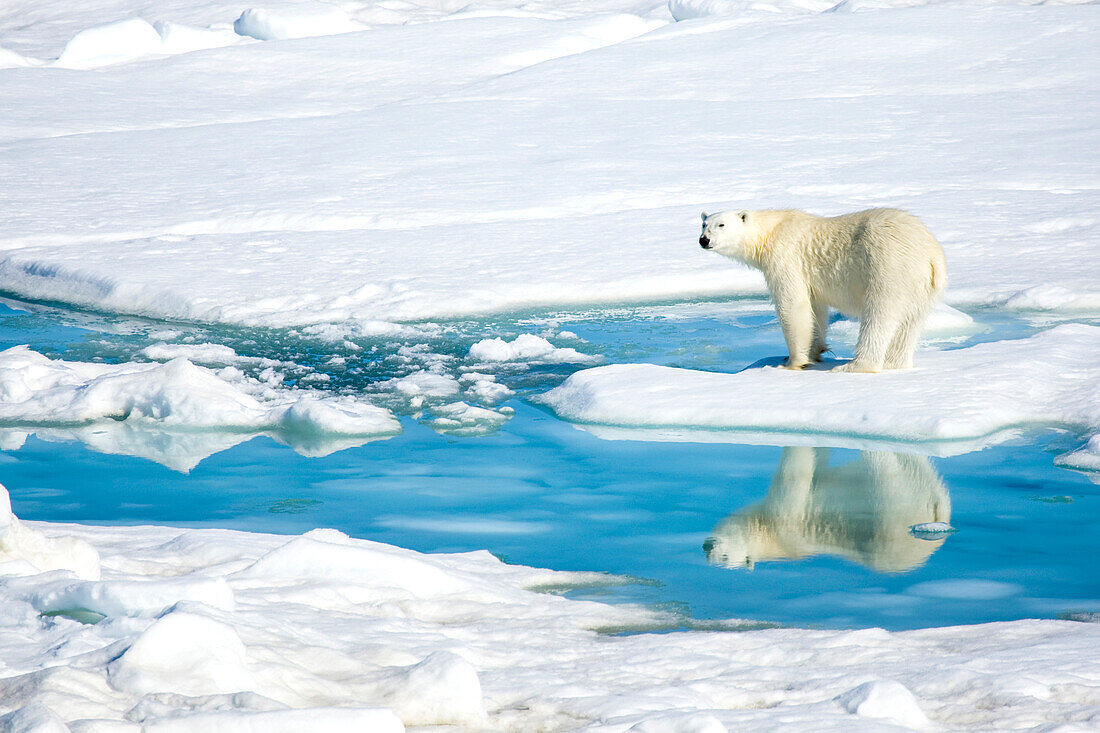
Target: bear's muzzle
x=704 y=242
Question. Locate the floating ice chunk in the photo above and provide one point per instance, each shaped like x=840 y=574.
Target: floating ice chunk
x=334 y=417
x=24 y=551
x=328 y=720
x=35 y=389
x=134 y=597
x=207 y=354
x=443 y=689
x=485 y=387
x=301 y=20
x=527 y=347
x=886 y=700
x=187 y=654
x=931 y=530
x=459 y=418
x=959 y=395
x=424 y=384
x=113 y=43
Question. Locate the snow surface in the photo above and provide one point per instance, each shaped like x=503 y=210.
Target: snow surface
x=521 y=155
x=230 y=631
x=973 y=396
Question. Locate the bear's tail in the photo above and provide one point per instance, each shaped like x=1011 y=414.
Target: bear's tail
x=939 y=276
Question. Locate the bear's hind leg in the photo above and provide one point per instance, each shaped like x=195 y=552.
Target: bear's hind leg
x=900 y=353
x=876 y=333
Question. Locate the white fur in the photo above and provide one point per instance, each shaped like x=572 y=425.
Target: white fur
x=882 y=266
x=861 y=510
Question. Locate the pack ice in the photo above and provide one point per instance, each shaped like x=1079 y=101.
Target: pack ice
x=328 y=166
x=232 y=631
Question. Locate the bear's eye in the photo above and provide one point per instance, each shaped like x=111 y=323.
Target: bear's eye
x=721 y=225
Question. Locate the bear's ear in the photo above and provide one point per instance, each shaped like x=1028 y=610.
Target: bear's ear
x=704 y=216
x=744 y=216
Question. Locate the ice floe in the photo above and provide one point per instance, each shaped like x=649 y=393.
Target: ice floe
x=970 y=395
x=144 y=403
x=230 y=631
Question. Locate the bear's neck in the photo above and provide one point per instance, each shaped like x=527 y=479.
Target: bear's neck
x=758 y=248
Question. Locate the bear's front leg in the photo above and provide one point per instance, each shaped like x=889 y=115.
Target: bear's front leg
x=792 y=304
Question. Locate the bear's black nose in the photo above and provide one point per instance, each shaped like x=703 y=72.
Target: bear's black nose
x=704 y=242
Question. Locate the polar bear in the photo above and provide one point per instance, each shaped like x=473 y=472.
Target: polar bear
x=882 y=266
x=861 y=510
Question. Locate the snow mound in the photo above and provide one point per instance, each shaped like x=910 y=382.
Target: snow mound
x=527 y=347
x=135 y=38
x=113 y=43
x=443 y=689
x=1050 y=379
x=26 y=552
x=301 y=20
x=885 y=700
x=593 y=34
x=11 y=60
x=184 y=653
x=331 y=556
x=134 y=597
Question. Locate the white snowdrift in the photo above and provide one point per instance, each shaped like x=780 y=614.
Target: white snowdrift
x=142 y=403
x=971 y=394
x=135 y=38
x=229 y=631
x=300 y=20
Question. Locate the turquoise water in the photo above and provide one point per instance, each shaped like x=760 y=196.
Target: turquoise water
x=805 y=535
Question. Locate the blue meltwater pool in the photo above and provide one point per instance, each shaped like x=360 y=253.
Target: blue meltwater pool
x=803 y=534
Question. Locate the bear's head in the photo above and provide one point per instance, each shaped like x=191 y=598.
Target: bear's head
x=725 y=232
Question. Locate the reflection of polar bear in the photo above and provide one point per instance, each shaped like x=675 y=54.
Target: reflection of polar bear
x=861 y=511
x=881 y=265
